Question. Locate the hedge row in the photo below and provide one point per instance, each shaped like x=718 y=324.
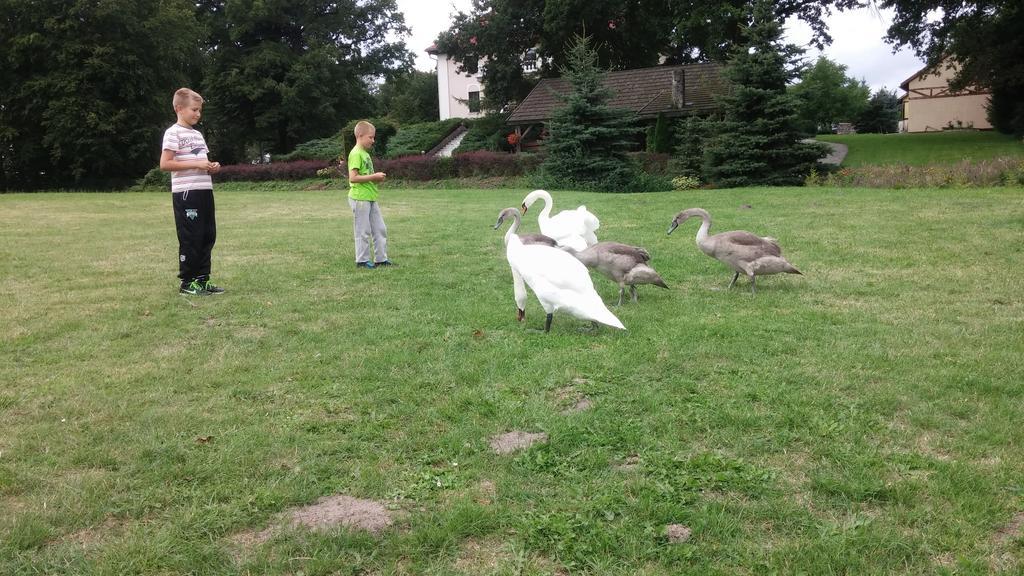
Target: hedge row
x=481 y=163
x=297 y=170
x=1003 y=171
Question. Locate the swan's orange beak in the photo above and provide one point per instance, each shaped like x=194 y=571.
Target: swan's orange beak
x=520 y=314
x=525 y=208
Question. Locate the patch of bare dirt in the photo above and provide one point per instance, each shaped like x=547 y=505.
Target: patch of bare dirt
x=486 y=491
x=1004 y=559
x=92 y=535
x=580 y=405
x=341 y=510
x=482 y=556
x=678 y=533
x=629 y=463
x=1012 y=531
x=324 y=514
x=510 y=442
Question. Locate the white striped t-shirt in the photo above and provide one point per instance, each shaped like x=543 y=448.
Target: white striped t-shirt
x=187 y=144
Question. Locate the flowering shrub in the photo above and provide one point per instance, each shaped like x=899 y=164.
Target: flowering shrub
x=1005 y=171
x=685 y=183
x=297 y=170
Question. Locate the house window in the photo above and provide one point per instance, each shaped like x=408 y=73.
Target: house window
x=474 y=101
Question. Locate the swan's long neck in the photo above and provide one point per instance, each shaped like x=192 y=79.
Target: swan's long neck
x=545 y=212
x=513 y=228
x=705 y=225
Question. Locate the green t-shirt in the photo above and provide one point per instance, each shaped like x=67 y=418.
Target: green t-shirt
x=359 y=159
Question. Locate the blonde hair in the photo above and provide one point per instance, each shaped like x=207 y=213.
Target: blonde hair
x=184 y=97
x=364 y=127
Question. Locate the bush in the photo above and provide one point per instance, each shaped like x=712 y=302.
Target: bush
x=484 y=163
x=386 y=130
x=487 y=133
x=324 y=149
x=155 y=178
x=298 y=170
x=685 y=183
x=418 y=138
x=418 y=167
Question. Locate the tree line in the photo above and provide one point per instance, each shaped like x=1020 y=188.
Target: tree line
x=86 y=85
x=981 y=36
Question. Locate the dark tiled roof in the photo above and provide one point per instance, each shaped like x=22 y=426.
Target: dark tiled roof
x=646 y=91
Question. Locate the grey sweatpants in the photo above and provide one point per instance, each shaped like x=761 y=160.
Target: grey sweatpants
x=368 y=221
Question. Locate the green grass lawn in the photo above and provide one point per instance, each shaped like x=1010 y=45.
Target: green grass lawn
x=926 y=148
x=865 y=418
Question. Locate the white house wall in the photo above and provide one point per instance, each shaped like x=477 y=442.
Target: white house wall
x=928 y=109
x=453 y=90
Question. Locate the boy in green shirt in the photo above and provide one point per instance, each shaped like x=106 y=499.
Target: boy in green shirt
x=362 y=197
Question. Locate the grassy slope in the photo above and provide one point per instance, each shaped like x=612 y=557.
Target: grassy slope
x=864 y=418
x=926 y=148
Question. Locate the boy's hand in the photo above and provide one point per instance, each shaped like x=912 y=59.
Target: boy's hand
x=379 y=176
x=213 y=167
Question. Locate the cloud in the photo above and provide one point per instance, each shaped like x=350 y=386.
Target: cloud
x=858 y=43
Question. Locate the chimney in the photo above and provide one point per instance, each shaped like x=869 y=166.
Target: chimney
x=678 y=88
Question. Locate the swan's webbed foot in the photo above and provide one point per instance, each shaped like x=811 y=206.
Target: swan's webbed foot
x=547 y=323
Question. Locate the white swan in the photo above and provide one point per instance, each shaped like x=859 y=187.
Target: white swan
x=572 y=228
x=559 y=280
x=518 y=287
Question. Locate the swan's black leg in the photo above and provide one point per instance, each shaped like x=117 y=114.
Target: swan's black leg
x=632 y=290
x=734 y=277
x=547 y=323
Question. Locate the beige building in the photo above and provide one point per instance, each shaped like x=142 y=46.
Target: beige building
x=929 y=105
x=458 y=95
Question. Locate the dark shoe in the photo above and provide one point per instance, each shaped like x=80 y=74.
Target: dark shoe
x=385 y=263
x=364 y=265
x=193 y=288
x=211 y=289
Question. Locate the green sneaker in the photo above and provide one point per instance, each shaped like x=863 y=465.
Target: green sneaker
x=211 y=289
x=193 y=288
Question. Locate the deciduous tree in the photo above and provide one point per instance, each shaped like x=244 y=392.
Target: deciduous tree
x=828 y=96
x=86 y=87
x=286 y=71
x=504 y=34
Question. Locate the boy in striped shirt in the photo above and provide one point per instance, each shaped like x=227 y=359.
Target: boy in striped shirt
x=184 y=155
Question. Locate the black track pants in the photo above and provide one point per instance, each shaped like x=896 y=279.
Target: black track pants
x=197 y=233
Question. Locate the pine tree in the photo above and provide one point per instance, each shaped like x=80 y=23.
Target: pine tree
x=588 y=140
x=691 y=135
x=882 y=114
x=758 y=141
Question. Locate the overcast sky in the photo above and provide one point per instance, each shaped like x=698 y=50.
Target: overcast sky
x=857 y=41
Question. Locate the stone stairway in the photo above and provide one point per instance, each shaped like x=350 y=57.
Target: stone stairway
x=450 y=143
